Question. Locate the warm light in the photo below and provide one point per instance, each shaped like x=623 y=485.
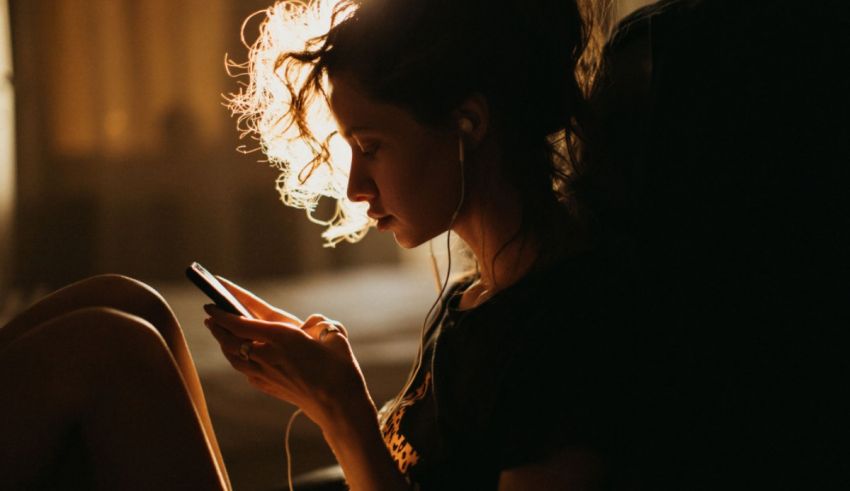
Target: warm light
x=7 y=148
x=262 y=104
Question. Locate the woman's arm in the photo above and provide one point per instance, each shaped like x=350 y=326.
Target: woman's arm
x=354 y=435
x=310 y=364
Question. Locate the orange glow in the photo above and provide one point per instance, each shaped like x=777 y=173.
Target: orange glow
x=7 y=147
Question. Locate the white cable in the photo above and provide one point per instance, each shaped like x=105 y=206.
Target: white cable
x=286 y=445
x=448 y=271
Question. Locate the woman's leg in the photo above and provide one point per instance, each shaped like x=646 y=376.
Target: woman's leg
x=104 y=382
x=133 y=297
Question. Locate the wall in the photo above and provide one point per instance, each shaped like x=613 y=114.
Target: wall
x=127 y=158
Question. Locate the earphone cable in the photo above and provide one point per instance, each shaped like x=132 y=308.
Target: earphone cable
x=286 y=446
x=398 y=402
x=461 y=159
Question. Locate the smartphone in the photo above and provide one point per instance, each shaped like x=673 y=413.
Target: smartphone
x=210 y=285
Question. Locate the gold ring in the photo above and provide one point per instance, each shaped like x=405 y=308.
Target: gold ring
x=327 y=330
x=245 y=349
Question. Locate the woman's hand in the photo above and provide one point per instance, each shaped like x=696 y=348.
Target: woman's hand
x=309 y=364
x=257 y=306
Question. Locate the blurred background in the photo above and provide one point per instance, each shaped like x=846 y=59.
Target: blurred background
x=117 y=155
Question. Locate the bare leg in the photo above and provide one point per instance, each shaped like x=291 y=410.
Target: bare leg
x=133 y=297
x=104 y=381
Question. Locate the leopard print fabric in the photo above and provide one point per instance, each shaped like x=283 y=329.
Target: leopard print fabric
x=401 y=450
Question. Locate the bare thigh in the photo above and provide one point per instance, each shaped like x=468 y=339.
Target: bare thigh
x=109 y=290
x=101 y=381
x=126 y=295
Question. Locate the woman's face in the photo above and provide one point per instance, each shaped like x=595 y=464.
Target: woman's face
x=408 y=173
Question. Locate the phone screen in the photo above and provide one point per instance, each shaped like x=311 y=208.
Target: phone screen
x=210 y=285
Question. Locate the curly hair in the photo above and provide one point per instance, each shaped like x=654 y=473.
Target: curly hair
x=534 y=61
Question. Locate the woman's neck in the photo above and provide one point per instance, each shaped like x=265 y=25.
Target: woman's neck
x=487 y=226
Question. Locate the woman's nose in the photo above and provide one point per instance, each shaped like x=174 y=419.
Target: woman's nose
x=361 y=186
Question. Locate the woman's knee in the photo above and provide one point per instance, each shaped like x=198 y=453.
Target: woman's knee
x=132 y=296
x=98 y=325
x=90 y=343
x=103 y=320
x=129 y=290
x=59 y=371
x=111 y=291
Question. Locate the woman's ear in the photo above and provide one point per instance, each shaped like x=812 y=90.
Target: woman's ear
x=473 y=119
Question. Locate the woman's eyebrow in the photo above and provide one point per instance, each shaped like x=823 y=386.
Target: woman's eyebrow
x=349 y=132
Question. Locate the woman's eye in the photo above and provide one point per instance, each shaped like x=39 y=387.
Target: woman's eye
x=368 y=149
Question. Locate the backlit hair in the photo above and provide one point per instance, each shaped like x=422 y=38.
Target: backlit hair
x=534 y=60
x=294 y=127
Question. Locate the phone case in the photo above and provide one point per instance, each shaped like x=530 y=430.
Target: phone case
x=213 y=288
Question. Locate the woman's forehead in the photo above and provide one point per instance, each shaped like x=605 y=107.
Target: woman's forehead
x=355 y=111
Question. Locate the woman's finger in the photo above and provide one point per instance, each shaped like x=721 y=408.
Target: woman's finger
x=234 y=348
x=318 y=326
x=255 y=329
x=266 y=352
x=224 y=337
x=247 y=366
x=268 y=356
x=259 y=307
x=324 y=329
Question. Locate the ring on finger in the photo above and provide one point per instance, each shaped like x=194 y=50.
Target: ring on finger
x=245 y=349
x=328 y=330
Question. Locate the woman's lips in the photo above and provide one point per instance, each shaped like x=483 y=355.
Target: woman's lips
x=384 y=222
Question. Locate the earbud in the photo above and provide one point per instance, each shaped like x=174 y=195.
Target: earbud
x=465 y=125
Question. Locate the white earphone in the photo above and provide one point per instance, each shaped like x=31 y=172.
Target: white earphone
x=465 y=125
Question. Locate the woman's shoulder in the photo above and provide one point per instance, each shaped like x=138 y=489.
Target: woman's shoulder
x=559 y=292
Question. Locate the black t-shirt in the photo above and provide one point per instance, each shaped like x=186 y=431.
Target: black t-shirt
x=512 y=381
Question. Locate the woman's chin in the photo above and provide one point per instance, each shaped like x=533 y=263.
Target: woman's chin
x=410 y=241
x=404 y=241
x=403 y=238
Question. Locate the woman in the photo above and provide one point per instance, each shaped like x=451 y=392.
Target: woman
x=461 y=116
